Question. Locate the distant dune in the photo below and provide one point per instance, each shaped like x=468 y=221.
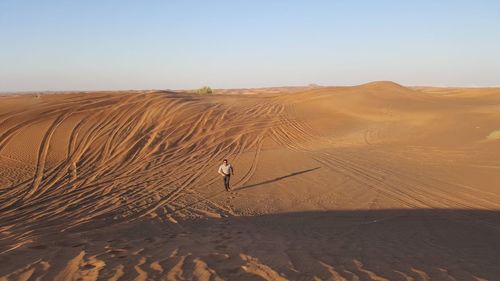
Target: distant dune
x=371 y=182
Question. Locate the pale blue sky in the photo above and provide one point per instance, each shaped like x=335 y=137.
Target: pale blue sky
x=92 y=45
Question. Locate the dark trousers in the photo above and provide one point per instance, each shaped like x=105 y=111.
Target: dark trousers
x=226 y=181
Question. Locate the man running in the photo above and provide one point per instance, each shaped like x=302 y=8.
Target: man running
x=226 y=170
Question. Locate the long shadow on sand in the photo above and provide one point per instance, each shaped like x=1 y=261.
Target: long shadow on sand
x=277 y=179
x=243 y=187
x=397 y=244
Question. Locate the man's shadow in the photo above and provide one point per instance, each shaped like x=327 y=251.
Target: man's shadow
x=277 y=179
x=245 y=187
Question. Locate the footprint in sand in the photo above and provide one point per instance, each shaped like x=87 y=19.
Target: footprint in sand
x=88 y=266
x=150 y=240
x=220 y=247
x=79 y=245
x=38 y=247
x=116 y=251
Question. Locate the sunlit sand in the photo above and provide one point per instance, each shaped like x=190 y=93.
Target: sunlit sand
x=370 y=182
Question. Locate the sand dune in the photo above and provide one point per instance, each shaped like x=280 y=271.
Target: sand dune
x=371 y=182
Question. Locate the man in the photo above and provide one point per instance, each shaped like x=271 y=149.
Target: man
x=226 y=170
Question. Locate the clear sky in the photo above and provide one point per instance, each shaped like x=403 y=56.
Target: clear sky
x=106 y=44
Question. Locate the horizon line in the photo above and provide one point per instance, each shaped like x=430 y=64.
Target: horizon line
x=311 y=85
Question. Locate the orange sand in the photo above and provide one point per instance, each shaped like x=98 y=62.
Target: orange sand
x=372 y=182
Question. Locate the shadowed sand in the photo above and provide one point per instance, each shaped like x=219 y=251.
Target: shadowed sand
x=372 y=182
x=329 y=245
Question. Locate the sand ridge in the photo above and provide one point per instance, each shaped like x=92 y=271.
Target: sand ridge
x=370 y=182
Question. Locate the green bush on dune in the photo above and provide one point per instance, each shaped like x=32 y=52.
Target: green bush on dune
x=204 y=90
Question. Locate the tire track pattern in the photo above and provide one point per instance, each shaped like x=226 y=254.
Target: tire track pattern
x=127 y=156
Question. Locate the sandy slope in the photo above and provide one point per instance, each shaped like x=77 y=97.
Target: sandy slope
x=373 y=182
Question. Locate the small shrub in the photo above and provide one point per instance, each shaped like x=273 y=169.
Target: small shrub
x=204 y=90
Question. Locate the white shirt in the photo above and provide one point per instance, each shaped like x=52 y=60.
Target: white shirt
x=225 y=169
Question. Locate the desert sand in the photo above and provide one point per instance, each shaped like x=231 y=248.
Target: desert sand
x=370 y=182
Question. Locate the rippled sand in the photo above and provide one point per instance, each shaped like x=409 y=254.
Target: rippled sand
x=372 y=182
